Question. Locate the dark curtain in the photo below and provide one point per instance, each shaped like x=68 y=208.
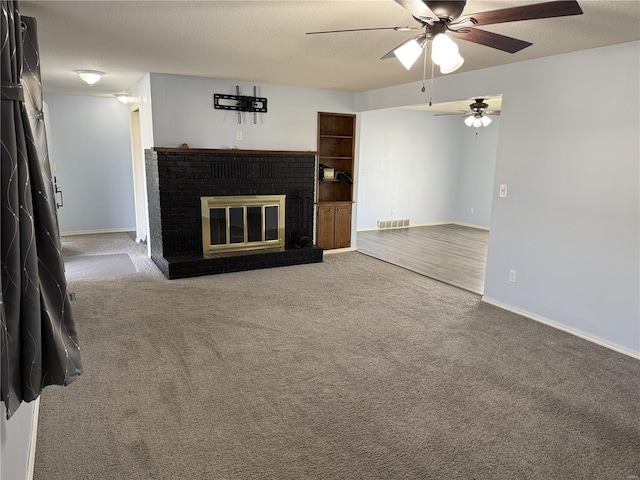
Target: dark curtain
x=38 y=339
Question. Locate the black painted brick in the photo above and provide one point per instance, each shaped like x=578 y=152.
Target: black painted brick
x=177 y=180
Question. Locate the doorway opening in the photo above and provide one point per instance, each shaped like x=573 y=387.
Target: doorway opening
x=139 y=183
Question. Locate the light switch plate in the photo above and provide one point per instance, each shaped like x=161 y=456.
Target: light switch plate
x=503 y=190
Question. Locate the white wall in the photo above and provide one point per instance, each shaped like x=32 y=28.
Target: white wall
x=91 y=140
x=141 y=100
x=477 y=171
x=409 y=164
x=16 y=440
x=141 y=122
x=568 y=150
x=183 y=113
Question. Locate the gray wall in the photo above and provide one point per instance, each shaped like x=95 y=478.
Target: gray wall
x=424 y=168
x=476 y=172
x=570 y=225
x=409 y=167
x=91 y=152
x=183 y=113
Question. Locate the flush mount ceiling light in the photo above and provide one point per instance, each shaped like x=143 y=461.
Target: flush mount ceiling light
x=90 y=76
x=126 y=99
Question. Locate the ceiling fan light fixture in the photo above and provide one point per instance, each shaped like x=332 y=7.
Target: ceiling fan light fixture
x=477 y=122
x=469 y=120
x=485 y=121
x=90 y=76
x=409 y=52
x=455 y=64
x=445 y=54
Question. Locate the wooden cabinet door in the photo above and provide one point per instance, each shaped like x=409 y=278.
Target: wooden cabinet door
x=325 y=228
x=343 y=226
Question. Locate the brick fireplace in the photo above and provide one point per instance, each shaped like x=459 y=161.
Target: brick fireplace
x=178 y=180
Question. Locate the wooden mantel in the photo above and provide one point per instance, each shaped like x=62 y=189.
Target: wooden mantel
x=231 y=151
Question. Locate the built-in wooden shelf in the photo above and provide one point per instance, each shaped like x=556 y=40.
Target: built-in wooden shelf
x=336 y=149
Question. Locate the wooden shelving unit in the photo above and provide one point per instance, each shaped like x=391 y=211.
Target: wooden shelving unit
x=336 y=149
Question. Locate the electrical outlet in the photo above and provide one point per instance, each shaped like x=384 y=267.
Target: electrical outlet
x=503 y=190
x=238 y=135
x=512 y=276
x=472 y=211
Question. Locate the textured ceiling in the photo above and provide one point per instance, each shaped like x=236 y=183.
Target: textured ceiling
x=265 y=41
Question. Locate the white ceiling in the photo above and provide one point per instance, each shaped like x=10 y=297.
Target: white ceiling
x=264 y=41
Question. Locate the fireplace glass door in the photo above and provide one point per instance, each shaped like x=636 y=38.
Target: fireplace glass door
x=239 y=223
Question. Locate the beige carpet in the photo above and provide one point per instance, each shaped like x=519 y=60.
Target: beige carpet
x=348 y=369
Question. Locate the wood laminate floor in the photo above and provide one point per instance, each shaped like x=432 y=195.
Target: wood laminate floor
x=453 y=254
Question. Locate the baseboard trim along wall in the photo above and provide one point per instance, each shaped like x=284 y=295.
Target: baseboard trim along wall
x=479 y=227
x=105 y=230
x=430 y=224
x=573 y=331
x=340 y=250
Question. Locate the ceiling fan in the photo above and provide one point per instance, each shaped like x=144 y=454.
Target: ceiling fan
x=436 y=18
x=477 y=117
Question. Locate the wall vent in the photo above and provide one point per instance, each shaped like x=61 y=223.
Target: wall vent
x=385 y=224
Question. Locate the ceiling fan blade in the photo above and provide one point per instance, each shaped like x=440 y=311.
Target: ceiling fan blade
x=490 y=39
x=462 y=112
x=492 y=112
x=397 y=29
x=418 y=9
x=526 y=12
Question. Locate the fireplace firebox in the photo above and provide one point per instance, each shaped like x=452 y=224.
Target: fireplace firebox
x=240 y=223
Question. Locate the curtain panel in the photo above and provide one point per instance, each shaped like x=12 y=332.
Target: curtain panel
x=38 y=339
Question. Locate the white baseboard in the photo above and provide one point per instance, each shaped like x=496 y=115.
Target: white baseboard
x=471 y=225
x=34 y=438
x=428 y=224
x=339 y=250
x=573 y=331
x=105 y=230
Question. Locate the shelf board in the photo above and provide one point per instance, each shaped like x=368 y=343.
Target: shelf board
x=335 y=158
x=330 y=180
x=323 y=135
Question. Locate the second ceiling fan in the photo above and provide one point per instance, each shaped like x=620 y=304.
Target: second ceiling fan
x=477 y=114
x=436 y=18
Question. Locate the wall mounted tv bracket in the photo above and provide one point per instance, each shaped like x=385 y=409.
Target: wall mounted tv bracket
x=241 y=103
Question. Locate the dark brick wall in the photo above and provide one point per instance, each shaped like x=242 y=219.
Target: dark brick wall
x=153 y=200
x=177 y=179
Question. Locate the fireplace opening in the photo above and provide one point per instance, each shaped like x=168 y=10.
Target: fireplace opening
x=242 y=223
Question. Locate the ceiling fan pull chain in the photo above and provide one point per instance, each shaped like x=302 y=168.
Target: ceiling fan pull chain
x=431 y=88
x=424 y=67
